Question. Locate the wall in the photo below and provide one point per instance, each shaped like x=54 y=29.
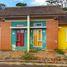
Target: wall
x=0 y=36
x=5 y=36
x=43 y=35
x=52 y=34
x=13 y=37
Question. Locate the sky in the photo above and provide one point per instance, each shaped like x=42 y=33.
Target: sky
x=12 y=3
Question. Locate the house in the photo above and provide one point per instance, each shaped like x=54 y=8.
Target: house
x=37 y=27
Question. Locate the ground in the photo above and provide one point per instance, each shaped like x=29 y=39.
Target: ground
x=18 y=64
x=5 y=65
x=44 y=56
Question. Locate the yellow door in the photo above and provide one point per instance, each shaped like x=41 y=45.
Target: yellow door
x=38 y=38
x=35 y=38
x=62 y=37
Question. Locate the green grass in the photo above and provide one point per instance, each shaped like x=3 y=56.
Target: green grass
x=59 y=51
x=28 y=56
x=34 y=50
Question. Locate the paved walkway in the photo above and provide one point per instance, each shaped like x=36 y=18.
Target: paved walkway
x=23 y=63
x=19 y=64
x=5 y=65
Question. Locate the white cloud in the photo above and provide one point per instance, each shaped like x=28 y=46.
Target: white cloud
x=38 y=2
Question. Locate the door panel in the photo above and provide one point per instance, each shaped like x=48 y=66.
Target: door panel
x=62 y=37
x=22 y=38
x=37 y=38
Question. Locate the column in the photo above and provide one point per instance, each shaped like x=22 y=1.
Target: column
x=28 y=34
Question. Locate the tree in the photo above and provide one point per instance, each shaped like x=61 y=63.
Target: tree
x=2 y=6
x=21 y=4
x=52 y=2
x=62 y=3
x=65 y=3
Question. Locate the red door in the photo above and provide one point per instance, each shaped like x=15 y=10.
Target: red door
x=20 y=38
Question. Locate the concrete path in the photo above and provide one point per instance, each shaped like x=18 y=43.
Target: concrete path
x=6 y=65
x=19 y=64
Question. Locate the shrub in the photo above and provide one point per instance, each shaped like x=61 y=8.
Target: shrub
x=59 y=51
x=34 y=50
x=65 y=9
x=28 y=56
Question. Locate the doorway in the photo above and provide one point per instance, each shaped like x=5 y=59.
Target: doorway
x=62 y=37
x=37 y=38
x=20 y=38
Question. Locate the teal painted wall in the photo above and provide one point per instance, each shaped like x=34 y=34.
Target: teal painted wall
x=43 y=36
x=15 y=23
x=42 y=22
x=13 y=37
x=31 y=39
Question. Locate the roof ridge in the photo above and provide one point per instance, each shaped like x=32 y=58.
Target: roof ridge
x=30 y=6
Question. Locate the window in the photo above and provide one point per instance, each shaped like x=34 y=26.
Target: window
x=37 y=24
x=20 y=25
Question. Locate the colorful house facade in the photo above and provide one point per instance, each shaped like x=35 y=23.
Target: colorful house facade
x=25 y=28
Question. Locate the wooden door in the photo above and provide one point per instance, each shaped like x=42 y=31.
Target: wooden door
x=37 y=38
x=62 y=37
x=22 y=38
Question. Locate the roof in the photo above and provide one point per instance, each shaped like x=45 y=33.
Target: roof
x=20 y=11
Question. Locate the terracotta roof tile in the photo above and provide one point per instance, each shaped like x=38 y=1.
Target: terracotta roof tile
x=20 y=11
